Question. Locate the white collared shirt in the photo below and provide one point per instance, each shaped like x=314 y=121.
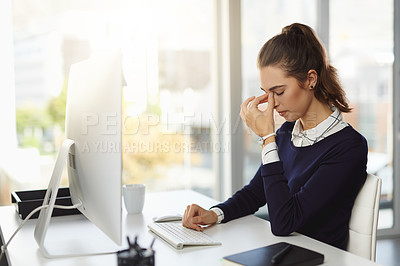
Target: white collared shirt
x=334 y=123
x=300 y=138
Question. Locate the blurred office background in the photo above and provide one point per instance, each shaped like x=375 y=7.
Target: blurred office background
x=187 y=66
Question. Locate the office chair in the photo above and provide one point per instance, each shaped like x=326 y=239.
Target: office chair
x=364 y=219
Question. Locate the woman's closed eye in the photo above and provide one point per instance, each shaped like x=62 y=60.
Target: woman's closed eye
x=279 y=93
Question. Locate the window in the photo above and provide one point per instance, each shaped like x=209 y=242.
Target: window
x=168 y=49
x=361 y=48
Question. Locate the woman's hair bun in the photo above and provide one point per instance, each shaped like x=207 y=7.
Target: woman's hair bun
x=294 y=28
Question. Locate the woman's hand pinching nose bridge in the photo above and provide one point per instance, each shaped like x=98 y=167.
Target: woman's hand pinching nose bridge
x=261 y=122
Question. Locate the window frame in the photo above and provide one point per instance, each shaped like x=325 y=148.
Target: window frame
x=228 y=81
x=395 y=230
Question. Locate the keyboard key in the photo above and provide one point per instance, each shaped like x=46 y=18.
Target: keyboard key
x=179 y=236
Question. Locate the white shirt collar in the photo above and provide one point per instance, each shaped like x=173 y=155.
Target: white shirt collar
x=329 y=126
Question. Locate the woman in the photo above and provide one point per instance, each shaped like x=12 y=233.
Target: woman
x=314 y=165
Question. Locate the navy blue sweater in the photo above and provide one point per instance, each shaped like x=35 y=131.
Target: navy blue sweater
x=311 y=190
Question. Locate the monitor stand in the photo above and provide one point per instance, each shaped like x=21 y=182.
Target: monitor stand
x=74 y=245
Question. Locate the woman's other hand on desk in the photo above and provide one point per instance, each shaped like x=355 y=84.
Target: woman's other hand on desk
x=195 y=216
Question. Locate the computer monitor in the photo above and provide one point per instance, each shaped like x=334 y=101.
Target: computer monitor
x=92 y=150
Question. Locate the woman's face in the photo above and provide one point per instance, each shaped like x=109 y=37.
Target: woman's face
x=291 y=101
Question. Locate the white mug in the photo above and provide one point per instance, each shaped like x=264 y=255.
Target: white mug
x=134 y=195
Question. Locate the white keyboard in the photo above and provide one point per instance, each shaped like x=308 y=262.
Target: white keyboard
x=178 y=236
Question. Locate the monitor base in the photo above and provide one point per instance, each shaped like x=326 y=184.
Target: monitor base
x=73 y=244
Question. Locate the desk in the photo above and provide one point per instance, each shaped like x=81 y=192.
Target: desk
x=236 y=236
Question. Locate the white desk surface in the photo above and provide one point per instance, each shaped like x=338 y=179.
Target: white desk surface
x=236 y=236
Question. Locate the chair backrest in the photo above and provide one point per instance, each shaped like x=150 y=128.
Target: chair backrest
x=364 y=219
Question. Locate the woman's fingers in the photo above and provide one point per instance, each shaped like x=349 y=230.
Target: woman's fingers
x=195 y=216
x=260 y=99
x=245 y=104
x=260 y=121
x=271 y=101
x=244 y=108
x=265 y=99
x=191 y=217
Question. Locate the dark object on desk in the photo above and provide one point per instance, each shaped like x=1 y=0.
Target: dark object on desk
x=278 y=257
x=136 y=255
x=28 y=200
x=294 y=255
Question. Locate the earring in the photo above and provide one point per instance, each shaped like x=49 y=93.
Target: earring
x=312 y=87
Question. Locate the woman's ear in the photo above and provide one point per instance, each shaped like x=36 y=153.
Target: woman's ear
x=312 y=78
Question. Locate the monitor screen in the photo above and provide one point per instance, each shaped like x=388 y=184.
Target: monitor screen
x=92 y=149
x=93 y=122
